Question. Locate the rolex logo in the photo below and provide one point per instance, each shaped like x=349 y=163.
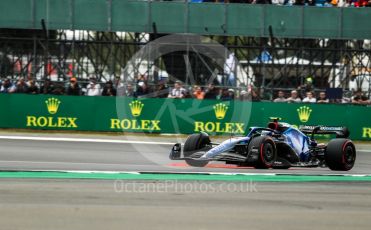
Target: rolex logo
x=136 y=108
x=52 y=104
x=220 y=110
x=304 y=113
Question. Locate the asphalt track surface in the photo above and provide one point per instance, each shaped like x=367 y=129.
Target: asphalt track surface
x=95 y=205
x=149 y=154
x=158 y=204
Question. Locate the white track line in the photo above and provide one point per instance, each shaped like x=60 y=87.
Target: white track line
x=68 y=139
x=194 y=173
x=64 y=162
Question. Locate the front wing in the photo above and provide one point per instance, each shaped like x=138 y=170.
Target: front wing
x=177 y=154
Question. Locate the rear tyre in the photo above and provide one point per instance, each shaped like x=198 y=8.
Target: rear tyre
x=340 y=154
x=266 y=149
x=193 y=143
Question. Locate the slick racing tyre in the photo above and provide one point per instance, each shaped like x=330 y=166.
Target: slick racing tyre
x=340 y=154
x=193 y=143
x=266 y=151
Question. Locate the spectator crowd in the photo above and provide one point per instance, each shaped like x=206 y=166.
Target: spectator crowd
x=141 y=88
x=310 y=97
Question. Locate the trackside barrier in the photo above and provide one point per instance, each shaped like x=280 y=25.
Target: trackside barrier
x=117 y=114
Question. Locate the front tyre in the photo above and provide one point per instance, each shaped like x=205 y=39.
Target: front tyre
x=266 y=150
x=340 y=154
x=193 y=143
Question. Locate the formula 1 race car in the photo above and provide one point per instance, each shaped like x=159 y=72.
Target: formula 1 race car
x=279 y=145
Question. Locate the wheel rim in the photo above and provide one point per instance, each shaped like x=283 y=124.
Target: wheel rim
x=268 y=154
x=349 y=156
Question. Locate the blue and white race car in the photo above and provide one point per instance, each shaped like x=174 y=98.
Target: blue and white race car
x=279 y=145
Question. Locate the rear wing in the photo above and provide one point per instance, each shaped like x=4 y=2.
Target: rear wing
x=340 y=131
